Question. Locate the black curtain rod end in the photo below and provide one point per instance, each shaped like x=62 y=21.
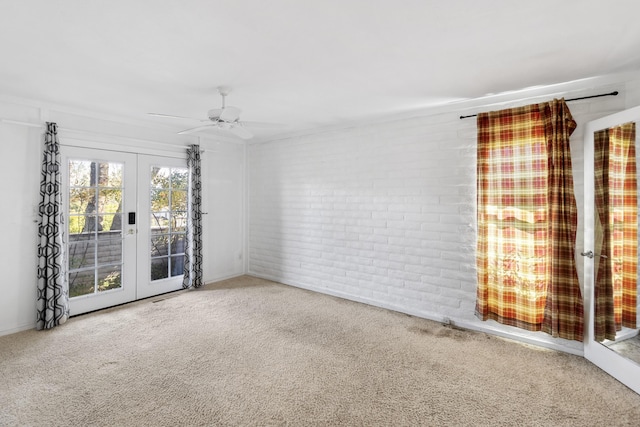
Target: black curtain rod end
x=614 y=93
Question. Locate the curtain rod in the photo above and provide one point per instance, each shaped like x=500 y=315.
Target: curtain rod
x=614 y=93
x=63 y=129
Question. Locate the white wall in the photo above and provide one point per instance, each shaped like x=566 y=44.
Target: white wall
x=385 y=213
x=224 y=221
x=20 y=151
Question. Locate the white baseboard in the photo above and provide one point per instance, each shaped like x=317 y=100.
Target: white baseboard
x=17 y=329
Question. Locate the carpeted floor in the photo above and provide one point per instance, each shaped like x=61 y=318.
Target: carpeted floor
x=248 y=351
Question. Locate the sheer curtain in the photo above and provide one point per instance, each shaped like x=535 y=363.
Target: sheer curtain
x=193 y=242
x=52 y=302
x=527 y=220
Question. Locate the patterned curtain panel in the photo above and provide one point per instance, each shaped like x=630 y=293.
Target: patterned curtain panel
x=52 y=297
x=193 y=245
x=527 y=220
x=616 y=206
x=624 y=224
x=564 y=311
x=604 y=326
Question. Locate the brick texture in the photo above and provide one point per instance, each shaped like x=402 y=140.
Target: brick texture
x=385 y=213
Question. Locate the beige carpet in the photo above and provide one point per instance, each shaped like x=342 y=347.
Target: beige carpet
x=251 y=352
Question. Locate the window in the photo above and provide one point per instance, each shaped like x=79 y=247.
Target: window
x=527 y=220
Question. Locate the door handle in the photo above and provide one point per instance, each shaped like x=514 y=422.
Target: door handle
x=590 y=254
x=131 y=231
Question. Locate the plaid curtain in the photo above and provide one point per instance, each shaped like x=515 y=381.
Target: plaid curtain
x=616 y=206
x=527 y=220
x=193 y=242
x=563 y=314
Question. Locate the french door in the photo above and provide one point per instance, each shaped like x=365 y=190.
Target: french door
x=162 y=199
x=609 y=167
x=126 y=219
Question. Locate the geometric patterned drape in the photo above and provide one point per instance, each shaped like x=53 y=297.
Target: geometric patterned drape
x=52 y=301
x=193 y=241
x=615 y=293
x=527 y=220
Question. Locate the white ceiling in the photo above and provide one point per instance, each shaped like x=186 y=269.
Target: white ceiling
x=304 y=63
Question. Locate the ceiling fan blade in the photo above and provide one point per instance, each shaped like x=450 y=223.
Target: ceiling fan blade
x=196 y=129
x=262 y=125
x=230 y=114
x=241 y=132
x=171 y=116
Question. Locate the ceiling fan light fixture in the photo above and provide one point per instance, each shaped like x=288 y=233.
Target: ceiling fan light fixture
x=214 y=113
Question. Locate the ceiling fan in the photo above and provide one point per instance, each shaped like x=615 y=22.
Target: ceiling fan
x=225 y=118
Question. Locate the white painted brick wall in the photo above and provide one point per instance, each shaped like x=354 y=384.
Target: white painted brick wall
x=384 y=214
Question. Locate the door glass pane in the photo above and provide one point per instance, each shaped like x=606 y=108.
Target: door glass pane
x=179 y=221
x=79 y=173
x=159 y=225
x=109 y=277
x=76 y=224
x=178 y=201
x=112 y=175
x=109 y=248
x=79 y=198
x=82 y=254
x=160 y=177
x=168 y=203
x=110 y=200
x=90 y=224
x=81 y=282
x=159 y=268
x=159 y=245
x=177 y=244
x=179 y=178
x=95 y=224
x=177 y=265
x=160 y=200
x=111 y=223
